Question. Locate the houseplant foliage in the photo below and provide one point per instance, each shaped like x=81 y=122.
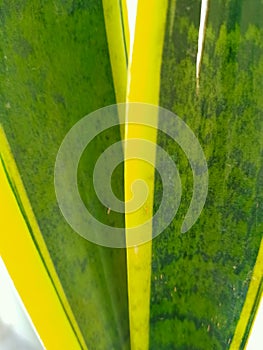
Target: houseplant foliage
x=202 y=60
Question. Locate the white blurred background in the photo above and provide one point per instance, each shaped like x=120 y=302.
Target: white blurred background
x=16 y=329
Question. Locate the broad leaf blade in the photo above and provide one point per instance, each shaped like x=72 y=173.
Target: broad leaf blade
x=55 y=70
x=200 y=279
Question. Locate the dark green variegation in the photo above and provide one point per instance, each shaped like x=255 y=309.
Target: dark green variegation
x=200 y=278
x=54 y=70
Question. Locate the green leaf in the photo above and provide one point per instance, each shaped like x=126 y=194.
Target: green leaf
x=207 y=271
x=55 y=69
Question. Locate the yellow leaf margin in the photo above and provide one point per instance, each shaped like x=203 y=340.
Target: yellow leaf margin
x=29 y=264
x=144 y=83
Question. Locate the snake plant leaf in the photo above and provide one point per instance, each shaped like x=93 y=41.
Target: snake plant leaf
x=144 y=82
x=201 y=60
x=56 y=66
x=206 y=283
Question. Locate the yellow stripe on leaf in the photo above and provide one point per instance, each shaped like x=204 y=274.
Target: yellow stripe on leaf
x=37 y=284
x=117 y=34
x=144 y=85
x=251 y=297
